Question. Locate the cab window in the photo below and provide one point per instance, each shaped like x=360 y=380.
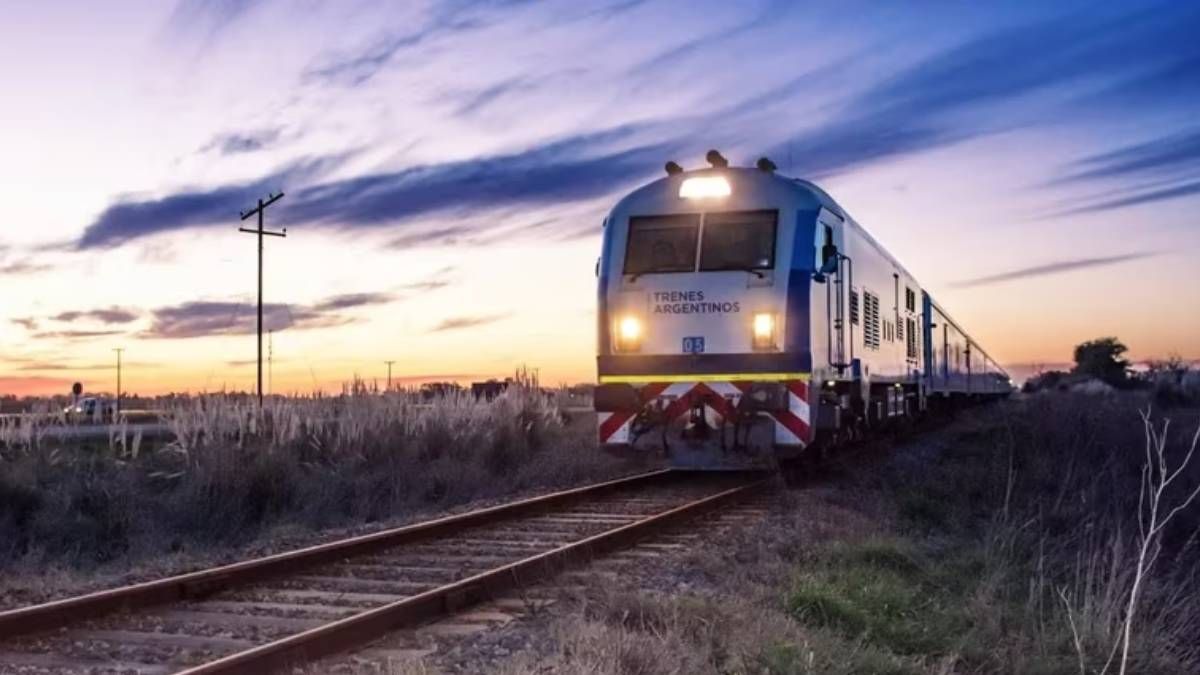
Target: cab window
x=662 y=244
x=742 y=240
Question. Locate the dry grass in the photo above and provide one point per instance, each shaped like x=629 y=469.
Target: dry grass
x=1006 y=543
x=230 y=475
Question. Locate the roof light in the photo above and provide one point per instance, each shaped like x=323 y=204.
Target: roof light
x=701 y=187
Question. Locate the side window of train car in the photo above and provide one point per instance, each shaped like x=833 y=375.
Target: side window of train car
x=740 y=240
x=659 y=244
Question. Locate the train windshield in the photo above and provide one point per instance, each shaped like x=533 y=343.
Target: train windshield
x=738 y=241
x=662 y=244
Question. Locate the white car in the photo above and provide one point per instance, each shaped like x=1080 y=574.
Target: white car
x=91 y=409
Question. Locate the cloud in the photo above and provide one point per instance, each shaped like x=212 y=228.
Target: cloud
x=64 y=366
x=210 y=16
x=1146 y=196
x=960 y=93
x=575 y=168
x=436 y=280
x=446 y=18
x=352 y=300
x=1164 y=155
x=208 y=318
x=75 y=334
x=242 y=142
x=1170 y=163
x=459 y=322
x=651 y=68
x=131 y=219
x=425 y=286
x=439 y=235
x=1050 y=268
x=242 y=363
x=475 y=102
x=110 y=315
x=28 y=323
x=22 y=267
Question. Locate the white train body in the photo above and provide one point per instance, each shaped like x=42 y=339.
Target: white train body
x=745 y=316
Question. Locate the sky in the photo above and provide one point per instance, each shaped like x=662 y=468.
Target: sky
x=447 y=165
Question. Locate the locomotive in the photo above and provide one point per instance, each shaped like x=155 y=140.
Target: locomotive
x=746 y=320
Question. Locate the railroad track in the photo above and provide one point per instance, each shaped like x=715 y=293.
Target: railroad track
x=297 y=607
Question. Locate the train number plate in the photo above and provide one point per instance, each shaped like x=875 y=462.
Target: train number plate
x=693 y=345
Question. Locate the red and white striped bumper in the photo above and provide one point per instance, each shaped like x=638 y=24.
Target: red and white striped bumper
x=719 y=398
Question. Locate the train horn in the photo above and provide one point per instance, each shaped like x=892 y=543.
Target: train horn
x=716 y=159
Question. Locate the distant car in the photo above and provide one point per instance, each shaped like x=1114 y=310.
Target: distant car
x=91 y=409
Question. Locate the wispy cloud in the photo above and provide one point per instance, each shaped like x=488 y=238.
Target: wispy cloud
x=28 y=323
x=54 y=366
x=575 y=168
x=1167 y=155
x=132 y=219
x=438 y=235
x=1057 y=267
x=1163 y=168
x=75 y=334
x=110 y=315
x=235 y=143
x=209 y=318
x=1146 y=196
x=443 y=19
x=210 y=16
x=348 y=300
x=956 y=94
x=460 y=322
x=23 y=267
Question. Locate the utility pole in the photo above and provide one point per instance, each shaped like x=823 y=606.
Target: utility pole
x=262 y=206
x=270 y=362
x=389 y=365
x=117 y=411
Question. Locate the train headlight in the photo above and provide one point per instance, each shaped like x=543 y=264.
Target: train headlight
x=764 y=331
x=629 y=334
x=701 y=187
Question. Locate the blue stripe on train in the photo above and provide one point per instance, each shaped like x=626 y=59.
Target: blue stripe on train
x=602 y=343
x=798 y=341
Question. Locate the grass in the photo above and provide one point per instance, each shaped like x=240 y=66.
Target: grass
x=1014 y=546
x=1005 y=543
x=230 y=476
x=878 y=592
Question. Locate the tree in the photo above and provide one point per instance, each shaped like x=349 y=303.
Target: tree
x=1101 y=359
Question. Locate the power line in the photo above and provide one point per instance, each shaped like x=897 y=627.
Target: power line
x=260 y=209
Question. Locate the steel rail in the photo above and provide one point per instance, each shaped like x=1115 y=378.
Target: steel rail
x=338 y=636
x=194 y=585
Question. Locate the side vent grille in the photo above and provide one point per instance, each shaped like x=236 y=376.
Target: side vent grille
x=912 y=338
x=871 y=334
x=854 y=307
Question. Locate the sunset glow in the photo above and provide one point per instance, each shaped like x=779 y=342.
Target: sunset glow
x=448 y=166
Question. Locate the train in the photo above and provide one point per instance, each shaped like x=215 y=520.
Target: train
x=746 y=320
